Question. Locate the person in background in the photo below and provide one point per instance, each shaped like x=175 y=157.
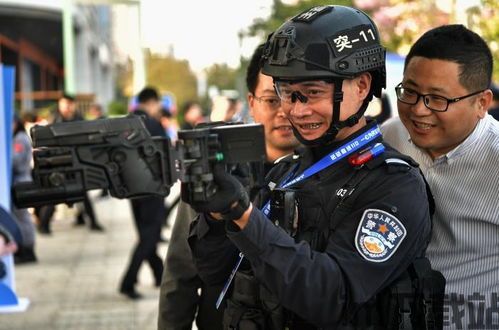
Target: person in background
x=227 y=108
x=95 y=112
x=66 y=112
x=170 y=128
x=21 y=172
x=10 y=239
x=11 y=236
x=168 y=125
x=148 y=212
x=7 y=245
x=179 y=298
x=443 y=124
x=192 y=115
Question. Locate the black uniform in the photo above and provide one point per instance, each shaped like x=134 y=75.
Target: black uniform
x=148 y=214
x=339 y=258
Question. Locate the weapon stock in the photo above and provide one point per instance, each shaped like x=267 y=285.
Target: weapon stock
x=120 y=155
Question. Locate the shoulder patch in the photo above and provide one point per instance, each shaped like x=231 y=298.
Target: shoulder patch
x=379 y=235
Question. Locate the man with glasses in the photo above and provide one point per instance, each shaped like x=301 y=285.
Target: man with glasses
x=442 y=103
x=179 y=297
x=336 y=225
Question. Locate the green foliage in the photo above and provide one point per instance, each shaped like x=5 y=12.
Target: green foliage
x=280 y=13
x=167 y=73
x=401 y=23
x=222 y=76
x=485 y=21
x=117 y=108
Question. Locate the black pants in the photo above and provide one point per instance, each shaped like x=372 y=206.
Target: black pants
x=149 y=214
x=89 y=211
x=45 y=213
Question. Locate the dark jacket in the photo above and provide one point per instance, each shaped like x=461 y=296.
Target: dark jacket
x=179 y=299
x=332 y=266
x=153 y=126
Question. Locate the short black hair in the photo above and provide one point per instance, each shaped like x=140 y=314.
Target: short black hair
x=68 y=96
x=188 y=105
x=254 y=68
x=148 y=94
x=19 y=124
x=456 y=43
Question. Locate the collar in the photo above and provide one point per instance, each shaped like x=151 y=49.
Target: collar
x=462 y=148
x=470 y=141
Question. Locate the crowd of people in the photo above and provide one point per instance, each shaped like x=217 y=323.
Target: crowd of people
x=382 y=224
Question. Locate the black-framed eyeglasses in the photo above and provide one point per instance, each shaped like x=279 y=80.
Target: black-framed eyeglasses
x=270 y=102
x=431 y=101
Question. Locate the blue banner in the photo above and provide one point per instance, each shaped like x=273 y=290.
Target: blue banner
x=9 y=302
x=7 y=81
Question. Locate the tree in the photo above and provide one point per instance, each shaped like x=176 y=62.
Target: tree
x=221 y=76
x=280 y=13
x=401 y=22
x=165 y=73
x=169 y=74
x=485 y=21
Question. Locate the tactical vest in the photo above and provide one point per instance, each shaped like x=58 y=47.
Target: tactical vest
x=413 y=301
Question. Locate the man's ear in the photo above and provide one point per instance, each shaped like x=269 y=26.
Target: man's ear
x=251 y=99
x=364 y=81
x=484 y=102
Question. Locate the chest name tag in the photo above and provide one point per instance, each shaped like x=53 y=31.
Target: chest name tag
x=379 y=235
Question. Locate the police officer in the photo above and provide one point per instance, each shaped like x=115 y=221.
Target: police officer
x=340 y=221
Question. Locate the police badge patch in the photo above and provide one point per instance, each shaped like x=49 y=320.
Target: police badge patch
x=379 y=235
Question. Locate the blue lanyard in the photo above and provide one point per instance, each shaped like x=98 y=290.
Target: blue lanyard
x=328 y=160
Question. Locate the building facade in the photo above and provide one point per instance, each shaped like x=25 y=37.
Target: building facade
x=32 y=40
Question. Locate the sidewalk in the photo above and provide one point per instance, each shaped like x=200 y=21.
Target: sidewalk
x=75 y=283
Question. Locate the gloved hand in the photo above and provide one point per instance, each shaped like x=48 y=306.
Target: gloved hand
x=230 y=199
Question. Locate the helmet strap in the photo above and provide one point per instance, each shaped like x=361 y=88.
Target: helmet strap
x=336 y=124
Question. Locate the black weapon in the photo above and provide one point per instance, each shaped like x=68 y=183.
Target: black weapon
x=120 y=155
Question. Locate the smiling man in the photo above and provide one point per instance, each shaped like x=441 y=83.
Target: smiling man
x=265 y=108
x=336 y=225
x=180 y=302
x=442 y=102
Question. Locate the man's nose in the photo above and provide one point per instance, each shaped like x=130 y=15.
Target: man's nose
x=420 y=108
x=281 y=112
x=299 y=109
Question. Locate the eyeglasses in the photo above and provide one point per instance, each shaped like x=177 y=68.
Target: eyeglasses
x=269 y=102
x=431 y=101
x=305 y=91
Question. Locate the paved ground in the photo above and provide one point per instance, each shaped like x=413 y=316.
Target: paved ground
x=75 y=283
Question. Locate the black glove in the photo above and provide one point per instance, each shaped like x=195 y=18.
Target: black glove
x=229 y=191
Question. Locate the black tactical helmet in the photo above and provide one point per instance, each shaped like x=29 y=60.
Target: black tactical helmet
x=326 y=42
x=330 y=43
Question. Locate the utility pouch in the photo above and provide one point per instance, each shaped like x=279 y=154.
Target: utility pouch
x=430 y=287
x=243 y=311
x=283 y=209
x=415 y=300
